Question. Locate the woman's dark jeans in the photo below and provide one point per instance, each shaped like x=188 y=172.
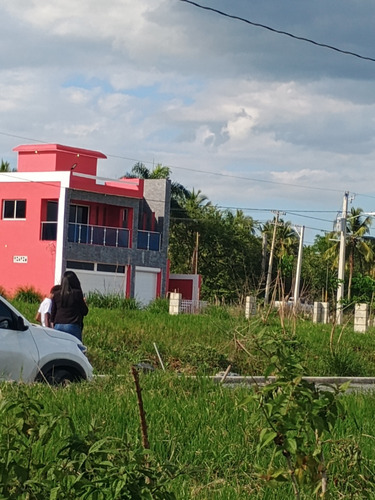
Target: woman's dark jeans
x=73 y=329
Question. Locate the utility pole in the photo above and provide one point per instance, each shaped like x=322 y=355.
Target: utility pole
x=194 y=260
x=269 y=273
x=264 y=256
x=299 y=266
x=341 y=268
x=196 y=253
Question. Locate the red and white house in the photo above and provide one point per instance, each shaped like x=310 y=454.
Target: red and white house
x=57 y=214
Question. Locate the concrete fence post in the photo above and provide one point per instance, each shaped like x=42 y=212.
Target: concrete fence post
x=325 y=312
x=317 y=313
x=250 y=306
x=361 y=318
x=175 y=303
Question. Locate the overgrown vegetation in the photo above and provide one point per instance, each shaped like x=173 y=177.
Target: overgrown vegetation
x=206 y=441
x=28 y=295
x=84 y=441
x=119 y=337
x=299 y=420
x=44 y=454
x=111 y=301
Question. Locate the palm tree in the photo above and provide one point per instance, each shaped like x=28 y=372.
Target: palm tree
x=196 y=201
x=286 y=246
x=5 y=166
x=357 y=226
x=178 y=192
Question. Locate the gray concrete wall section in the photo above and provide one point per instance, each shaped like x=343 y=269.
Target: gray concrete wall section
x=157 y=193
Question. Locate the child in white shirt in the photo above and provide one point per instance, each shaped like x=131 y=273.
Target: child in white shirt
x=44 y=312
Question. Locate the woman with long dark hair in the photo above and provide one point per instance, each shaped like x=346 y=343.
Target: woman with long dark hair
x=69 y=306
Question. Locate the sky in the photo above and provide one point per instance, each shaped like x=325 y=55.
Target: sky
x=252 y=118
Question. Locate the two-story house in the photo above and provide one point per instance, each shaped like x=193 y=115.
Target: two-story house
x=57 y=214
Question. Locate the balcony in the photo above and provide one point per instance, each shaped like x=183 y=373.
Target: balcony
x=102 y=235
x=98 y=235
x=149 y=240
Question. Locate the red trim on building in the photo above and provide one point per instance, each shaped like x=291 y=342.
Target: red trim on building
x=128 y=281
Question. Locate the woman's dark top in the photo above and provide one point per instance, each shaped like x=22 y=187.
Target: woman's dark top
x=72 y=313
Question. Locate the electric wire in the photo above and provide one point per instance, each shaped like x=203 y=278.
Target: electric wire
x=296 y=213
x=280 y=32
x=219 y=174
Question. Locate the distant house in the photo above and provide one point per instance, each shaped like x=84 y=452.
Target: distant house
x=57 y=214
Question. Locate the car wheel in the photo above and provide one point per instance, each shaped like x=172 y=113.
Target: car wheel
x=60 y=376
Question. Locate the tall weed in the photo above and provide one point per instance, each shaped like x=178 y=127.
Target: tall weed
x=111 y=301
x=28 y=295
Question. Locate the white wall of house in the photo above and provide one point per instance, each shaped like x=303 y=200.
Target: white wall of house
x=105 y=283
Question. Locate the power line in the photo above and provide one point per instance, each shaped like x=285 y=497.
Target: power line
x=256 y=179
x=280 y=32
x=298 y=213
x=206 y=172
x=271 y=209
x=218 y=174
x=308 y=216
x=25 y=138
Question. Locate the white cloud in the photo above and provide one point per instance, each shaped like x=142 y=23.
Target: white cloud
x=248 y=113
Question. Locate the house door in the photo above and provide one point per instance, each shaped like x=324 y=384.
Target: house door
x=146 y=279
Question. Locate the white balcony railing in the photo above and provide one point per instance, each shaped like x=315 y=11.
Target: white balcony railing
x=149 y=240
x=98 y=235
x=103 y=235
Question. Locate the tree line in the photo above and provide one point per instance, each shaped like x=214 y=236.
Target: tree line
x=230 y=250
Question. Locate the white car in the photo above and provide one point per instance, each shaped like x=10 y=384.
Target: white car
x=32 y=353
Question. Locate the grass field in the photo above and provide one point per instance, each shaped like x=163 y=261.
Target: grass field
x=206 y=435
x=203 y=433
x=208 y=343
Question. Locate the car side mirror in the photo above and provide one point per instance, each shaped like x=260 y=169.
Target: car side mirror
x=21 y=324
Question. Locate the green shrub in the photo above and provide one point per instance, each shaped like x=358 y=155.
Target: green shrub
x=299 y=422
x=158 y=306
x=111 y=301
x=205 y=358
x=28 y=294
x=217 y=312
x=344 y=362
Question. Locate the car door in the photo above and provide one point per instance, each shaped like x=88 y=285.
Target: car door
x=18 y=351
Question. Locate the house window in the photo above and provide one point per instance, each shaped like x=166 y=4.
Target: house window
x=76 y=264
x=49 y=226
x=14 y=209
x=110 y=268
x=79 y=214
x=78 y=231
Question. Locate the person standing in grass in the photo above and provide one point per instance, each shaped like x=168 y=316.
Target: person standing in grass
x=69 y=306
x=43 y=316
